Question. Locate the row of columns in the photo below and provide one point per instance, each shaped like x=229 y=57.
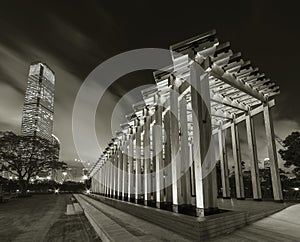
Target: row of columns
x=120 y=175
x=173 y=184
x=251 y=139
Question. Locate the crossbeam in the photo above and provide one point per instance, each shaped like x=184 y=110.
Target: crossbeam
x=234 y=82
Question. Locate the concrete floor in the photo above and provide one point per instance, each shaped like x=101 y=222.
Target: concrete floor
x=283 y=226
x=42 y=218
x=250 y=206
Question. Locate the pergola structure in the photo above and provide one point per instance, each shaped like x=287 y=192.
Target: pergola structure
x=208 y=90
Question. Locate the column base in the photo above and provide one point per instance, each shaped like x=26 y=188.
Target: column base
x=139 y=201
x=201 y=212
x=124 y=198
x=148 y=202
x=157 y=204
x=166 y=206
x=240 y=198
x=279 y=201
x=175 y=208
x=184 y=209
x=257 y=199
x=226 y=197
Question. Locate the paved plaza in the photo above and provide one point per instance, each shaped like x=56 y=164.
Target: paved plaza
x=115 y=223
x=42 y=218
x=251 y=207
x=281 y=226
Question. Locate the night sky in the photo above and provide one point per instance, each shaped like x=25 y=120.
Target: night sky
x=73 y=37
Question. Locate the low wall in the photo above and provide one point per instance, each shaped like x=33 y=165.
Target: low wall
x=197 y=229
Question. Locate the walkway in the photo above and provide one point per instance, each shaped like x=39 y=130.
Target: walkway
x=253 y=208
x=282 y=226
x=116 y=225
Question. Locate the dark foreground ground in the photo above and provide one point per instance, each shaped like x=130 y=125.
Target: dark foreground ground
x=42 y=218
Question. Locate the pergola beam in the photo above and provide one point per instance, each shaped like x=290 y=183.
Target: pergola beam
x=243 y=117
x=228 y=78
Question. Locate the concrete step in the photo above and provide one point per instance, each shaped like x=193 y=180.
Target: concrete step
x=77 y=208
x=140 y=229
x=70 y=209
x=106 y=228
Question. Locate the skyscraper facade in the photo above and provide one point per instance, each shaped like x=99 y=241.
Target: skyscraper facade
x=38 y=107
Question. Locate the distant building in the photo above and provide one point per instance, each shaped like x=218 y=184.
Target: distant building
x=38 y=110
x=56 y=144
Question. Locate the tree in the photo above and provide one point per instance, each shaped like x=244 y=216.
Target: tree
x=27 y=156
x=291 y=153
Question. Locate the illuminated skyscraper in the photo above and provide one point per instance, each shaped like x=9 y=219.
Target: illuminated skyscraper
x=38 y=107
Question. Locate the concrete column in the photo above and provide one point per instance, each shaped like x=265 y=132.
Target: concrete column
x=110 y=176
x=94 y=184
x=185 y=155
x=253 y=158
x=115 y=173
x=105 y=178
x=130 y=167
x=167 y=176
x=236 y=150
x=138 y=162
x=159 y=165
x=275 y=177
x=97 y=181
x=125 y=171
x=192 y=173
x=97 y=177
x=223 y=163
x=175 y=152
x=152 y=161
x=147 y=171
x=120 y=175
x=101 y=180
x=205 y=176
